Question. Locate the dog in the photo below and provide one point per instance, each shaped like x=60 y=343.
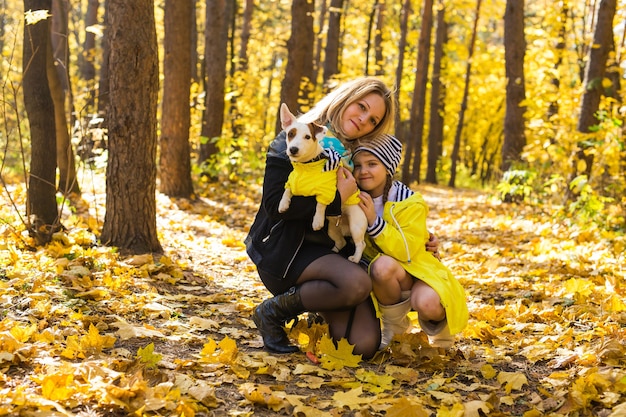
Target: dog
x=315 y=174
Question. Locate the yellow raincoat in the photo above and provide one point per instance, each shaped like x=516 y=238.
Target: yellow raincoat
x=403 y=237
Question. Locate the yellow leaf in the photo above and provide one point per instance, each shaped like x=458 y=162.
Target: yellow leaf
x=488 y=371
x=405 y=408
x=261 y=394
x=335 y=358
x=23 y=333
x=229 y=350
x=374 y=382
x=351 y=399
x=473 y=408
x=513 y=380
x=72 y=348
x=148 y=357
x=580 y=286
x=56 y=387
x=94 y=342
x=457 y=410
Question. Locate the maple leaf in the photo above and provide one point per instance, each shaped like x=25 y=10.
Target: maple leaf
x=56 y=387
x=374 y=382
x=93 y=342
x=147 y=356
x=262 y=394
x=352 y=398
x=336 y=358
x=405 y=408
x=514 y=380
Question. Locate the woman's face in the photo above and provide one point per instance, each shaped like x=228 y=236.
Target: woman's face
x=370 y=173
x=362 y=116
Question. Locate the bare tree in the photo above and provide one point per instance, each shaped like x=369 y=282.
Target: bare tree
x=41 y=206
x=437 y=97
x=130 y=219
x=459 y=127
x=331 y=61
x=299 y=50
x=216 y=42
x=174 y=158
x=414 y=148
x=514 y=51
x=404 y=24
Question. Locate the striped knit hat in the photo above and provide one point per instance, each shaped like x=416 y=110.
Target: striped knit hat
x=387 y=148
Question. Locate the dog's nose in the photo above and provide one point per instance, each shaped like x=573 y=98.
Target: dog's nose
x=293 y=151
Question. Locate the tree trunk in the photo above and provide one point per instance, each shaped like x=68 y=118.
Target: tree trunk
x=368 y=44
x=87 y=57
x=595 y=71
x=58 y=80
x=68 y=183
x=193 y=50
x=419 y=98
x=216 y=43
x=246 y=27
x=299 y=50
x=318 y=45
x=404 y=24
x=378 y=39
x=130 y=219
x=41 y=194
x=331 y=61
x=437 y=98
x=459 y=128
x=174 y=159
x=514 y=51
x=103 y=83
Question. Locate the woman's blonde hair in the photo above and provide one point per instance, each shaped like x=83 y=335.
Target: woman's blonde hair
x=331 y=108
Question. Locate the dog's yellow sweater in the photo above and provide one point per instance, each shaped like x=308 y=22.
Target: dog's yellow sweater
x=310 y=179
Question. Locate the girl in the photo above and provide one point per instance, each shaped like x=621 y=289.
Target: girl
x=404 y=273
x=296 y=264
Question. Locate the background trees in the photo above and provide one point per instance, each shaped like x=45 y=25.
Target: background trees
x=533 y=70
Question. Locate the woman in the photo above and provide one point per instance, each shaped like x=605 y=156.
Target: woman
x=296 y=264
x=404 y=274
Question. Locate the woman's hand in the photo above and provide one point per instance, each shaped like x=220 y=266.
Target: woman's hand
x=433 y=245
x=346 y=184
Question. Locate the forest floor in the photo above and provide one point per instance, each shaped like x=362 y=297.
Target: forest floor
x=86 y=332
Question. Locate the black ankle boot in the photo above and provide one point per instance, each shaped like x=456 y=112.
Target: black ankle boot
x=270 y=317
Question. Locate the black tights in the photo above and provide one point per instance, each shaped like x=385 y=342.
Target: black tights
x=340 y=291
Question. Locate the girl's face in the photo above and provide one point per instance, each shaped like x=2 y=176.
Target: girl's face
x=362 y=116
x=370 y=173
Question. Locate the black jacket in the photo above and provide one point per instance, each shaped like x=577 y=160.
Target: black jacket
x=275 y=238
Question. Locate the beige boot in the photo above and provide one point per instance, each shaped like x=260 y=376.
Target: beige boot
x=438 y=333
x=394 y=320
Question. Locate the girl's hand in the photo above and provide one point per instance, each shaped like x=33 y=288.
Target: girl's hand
x=433 y=245
x=346 y=184
x=367 y=205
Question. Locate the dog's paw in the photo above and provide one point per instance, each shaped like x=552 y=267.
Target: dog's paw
x=283 y=206
x=354 y=258
x=317 y=223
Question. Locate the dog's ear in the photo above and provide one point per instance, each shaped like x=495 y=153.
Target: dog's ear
x=286 y=118
x=319 y=130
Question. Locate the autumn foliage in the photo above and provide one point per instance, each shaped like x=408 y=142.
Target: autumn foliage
x=87 y=332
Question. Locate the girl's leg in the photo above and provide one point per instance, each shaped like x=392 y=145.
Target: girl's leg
x=389 y=279
x=359 y=326
x=426 y=302
x=391 y=285
x=431 y=315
